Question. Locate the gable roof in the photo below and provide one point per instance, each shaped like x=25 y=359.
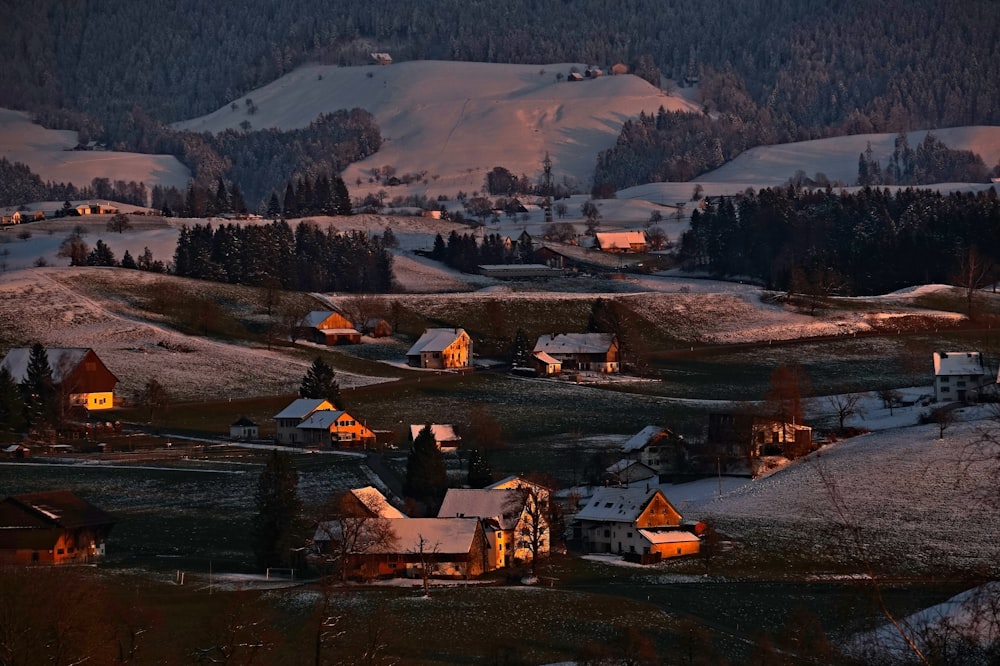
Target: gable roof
x=574 y=343
x=958 y=363
x=243 y=422
x=442 y=432
x=502 y=505
x=301 y=408
x=545 y=358
x=321 y=419
x=62 y=360
x=443 y=536
x=668 y=536
x=639 y=440
x=632 y=469
x=435 y=340
x=376 y=502
x=623 y=505
x=59 y=508
x=620 y=240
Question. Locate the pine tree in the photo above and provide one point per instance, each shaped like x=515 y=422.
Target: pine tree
x=128 y=261
x=520 y=351
x=38 y=388
x=276 y=528
x=480 y=473
x=426 y=478
x=342 y=197
x=273 y=207
x=320 y=382
x=101 y=255
x=12 y=405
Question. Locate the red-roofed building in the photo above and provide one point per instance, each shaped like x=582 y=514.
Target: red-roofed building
x=80 y=375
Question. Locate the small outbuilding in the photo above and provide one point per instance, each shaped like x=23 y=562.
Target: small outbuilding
x=243 y=430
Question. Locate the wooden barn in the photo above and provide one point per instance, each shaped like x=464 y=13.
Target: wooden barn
x=81 y=377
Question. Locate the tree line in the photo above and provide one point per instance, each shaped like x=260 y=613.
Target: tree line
x=869 y=242
x=931 y=162
x=307 y=258
x=465 y=253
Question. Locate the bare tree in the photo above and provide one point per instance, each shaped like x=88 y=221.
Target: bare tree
x=973 y=273
x=425 y=552
x=353 y=526
x=846 y=405
x=533 y=530
x=241 y=635
x=119 y=223
x=890 y=398
x=711 y=545
x=156 y=399
x=944 y=417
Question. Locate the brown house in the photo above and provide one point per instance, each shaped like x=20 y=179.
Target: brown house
x=328 y=327
x=81 y=377
x=55 y=527
x=441 y=348
x=639 y=520
x=581 y=351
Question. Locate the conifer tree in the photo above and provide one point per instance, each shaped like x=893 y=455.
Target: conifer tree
x=12 y=405
x=480 y=472
x=426 y=478
x=38 y=388
x=520 y=350
x=320 y=382
x=276 y=528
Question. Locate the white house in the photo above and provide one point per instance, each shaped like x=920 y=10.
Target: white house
x=287 y=420
x=655 y=447
x=638 y=520
x=959 y=376
x=508 y=521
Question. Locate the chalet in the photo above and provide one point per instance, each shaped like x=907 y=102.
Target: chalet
x=638 y=520
x=545 y=364
x=582 y=351
x=243 y=430
x=441 y=348
x=381 y=58
x=288 y=419
x=81 y=377
x=327 y=327
x=620 y=241
x=330 y=427
x=444 y=434
x=574 y=76
x=626 y=472
x=55 y=527
x=449 y=547
x=657 y=448
x=959 y=376
x=508 y=519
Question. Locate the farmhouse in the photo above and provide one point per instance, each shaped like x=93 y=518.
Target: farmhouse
x=328 y=427
x=288 y=419
x=546 y=365
x=243 y=430
x=637 y=520
x=508 y=517
x=55 y=527
x=441 y=348
x=444 y=434
x=626 y=472
x=328 y=327
x=81 y=377
x=620 y=241
x=959 y=376
x=582 y=351
x=657 y=448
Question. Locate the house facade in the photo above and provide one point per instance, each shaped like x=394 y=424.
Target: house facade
x=243 y=430
x=55 y=527
x=657 y=448
x=546 y=365
x=621 y=241
x=287 y=420
x=638 y=520
x=334 y=427
x=81 y=377
x=328 y=327
x=508 y=518
x=960 y=376
x=582 y=351
x=442 y=349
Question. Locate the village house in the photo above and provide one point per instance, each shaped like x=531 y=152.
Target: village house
x=444 y=434
x=80 y=376
x=626 y=472
x=735 y=441
x=243 y=430
x=508 y=519
x=441 y=348
x=334 y=427
x=581 y=351
x=959 y=376
x=620 y=241
x=638 y=521
x=657 y=448
x=54 y=527
x=546 y=365
x=377 y=328
x=288 y=419
x=327 y=327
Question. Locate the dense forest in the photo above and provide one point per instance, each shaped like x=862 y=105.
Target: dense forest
x=870 y=242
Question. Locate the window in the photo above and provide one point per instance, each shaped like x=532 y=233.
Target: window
x=628 y=535
x=945 y=380
x=945 y=389
x=607 y=534
x=60 y=551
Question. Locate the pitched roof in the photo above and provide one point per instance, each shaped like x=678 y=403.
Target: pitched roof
x=633 y=469
x=59 y=508
x=301 y=408
x=668 y=536
x=444 y=536
x=435 y=340
x=243 y=422
x=958 y=363
x=62 y=360
x=503 y=505
x=622 y=505
x=442 y=432
x=613 y=240
x=574 y=343
x=639 y=440
x=545 y=358
x=322 y=419
x=317 y=317
x=376 y=501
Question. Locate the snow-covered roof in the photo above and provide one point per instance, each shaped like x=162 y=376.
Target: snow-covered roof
x=958 y=363
x=617 y=504
x=62 y=360
x=302 y=407
x=574 y=343
x=668 y=536
x=635 y=469
x=637 y=441
x=376 y=501
x=442 y=432
x=317 y=317
x=445 y=536
x=435 y=340
x=503 y=505
x=547 y=359
x=620 y=240
x=323 y=419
